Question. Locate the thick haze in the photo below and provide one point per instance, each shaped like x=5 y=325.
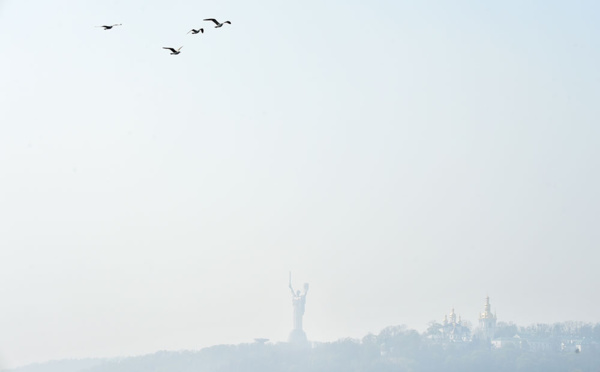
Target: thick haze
x=402 y=157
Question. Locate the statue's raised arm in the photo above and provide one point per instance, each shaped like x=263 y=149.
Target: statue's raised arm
x=290 y=285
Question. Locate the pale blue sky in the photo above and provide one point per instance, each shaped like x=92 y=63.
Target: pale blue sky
x=402 y=157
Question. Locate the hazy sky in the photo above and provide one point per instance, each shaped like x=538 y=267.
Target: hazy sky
x=402 y=157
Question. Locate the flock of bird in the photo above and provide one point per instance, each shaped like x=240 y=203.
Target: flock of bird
x=193 y=31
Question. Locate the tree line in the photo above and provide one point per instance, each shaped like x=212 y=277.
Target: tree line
x=395 y=348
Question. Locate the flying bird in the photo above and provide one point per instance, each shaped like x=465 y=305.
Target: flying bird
x=217 y=22
x=194 y=32
x=109 y=27
x=174 y=51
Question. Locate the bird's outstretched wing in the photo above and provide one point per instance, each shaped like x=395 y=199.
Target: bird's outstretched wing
x=212 y=20
x=171 y=49
x=190 y=31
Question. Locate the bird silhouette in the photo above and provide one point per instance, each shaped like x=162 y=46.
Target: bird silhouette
x=109 y=27
x=174 y=51
x=194 y=32
x=217 y=23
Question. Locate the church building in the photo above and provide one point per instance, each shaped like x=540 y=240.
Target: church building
x=454 y=330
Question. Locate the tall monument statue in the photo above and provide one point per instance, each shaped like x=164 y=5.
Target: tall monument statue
x=298 y=302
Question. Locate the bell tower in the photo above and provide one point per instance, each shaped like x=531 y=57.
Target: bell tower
x=487 y=321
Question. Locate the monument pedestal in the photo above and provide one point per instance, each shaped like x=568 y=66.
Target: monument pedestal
x=297 y=336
